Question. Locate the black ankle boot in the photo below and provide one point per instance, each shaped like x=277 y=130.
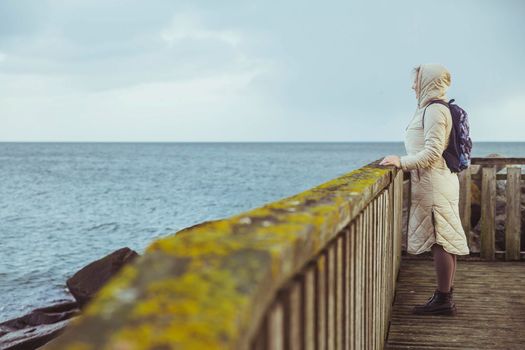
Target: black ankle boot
x=440 y=303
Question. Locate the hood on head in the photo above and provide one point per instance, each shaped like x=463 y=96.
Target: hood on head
x=434 y=80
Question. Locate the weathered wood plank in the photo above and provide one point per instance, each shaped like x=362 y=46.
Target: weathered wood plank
x=294 y=315
x=497 y=161
x=373 y=274
x=465 y=199
x=259 y=342
x=276 y=326
x=309 y=307
x=381 y=269
x=503 y=176
x=398 y=224
x=346 y=287
x=339 y=298
x=361 y=281
x=513 y=214
x=350 y=280
x=331 y=336
x=368 y=277
x=321 y=301
x=387 y=263
x=488 y=207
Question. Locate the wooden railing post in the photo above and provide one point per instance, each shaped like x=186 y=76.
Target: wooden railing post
x=488 y=206
x=321 y=301
x=339 y=291
x=309 y=308
x=276 y=326
x=513 y=214
x=465 y=200
x=397 y=208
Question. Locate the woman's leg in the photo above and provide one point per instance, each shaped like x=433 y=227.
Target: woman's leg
x=454 y=270
x=444 y=265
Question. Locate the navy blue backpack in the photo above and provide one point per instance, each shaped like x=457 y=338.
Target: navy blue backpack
x=459 y=149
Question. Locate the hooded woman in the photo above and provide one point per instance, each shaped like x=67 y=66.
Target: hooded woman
x=434 y=223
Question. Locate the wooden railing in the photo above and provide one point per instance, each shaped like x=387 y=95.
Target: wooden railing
x=488 y=177
x=342 y=298
x=316 y=270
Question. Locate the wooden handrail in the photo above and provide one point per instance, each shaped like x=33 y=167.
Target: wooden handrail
x=488 y=161
x=317 y=268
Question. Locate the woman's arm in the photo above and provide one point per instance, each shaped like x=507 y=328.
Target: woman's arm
x=435 y=132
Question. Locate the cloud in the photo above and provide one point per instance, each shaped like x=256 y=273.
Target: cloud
x=244 y=71
x=166 y=92
x=188 y=26
x=169 y=111
x=489 y=118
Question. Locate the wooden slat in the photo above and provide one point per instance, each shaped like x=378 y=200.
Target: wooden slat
x=465 y=198
x=321 y=301
x=380 y=267
x=496 y=161
x=373 y=274
x=385 y=282
x=503 y=176
x=368 y=277
x=339 y=296
x=375 y=300
x=350 y=281
x=259 y=342
x=392 y=229
x=398 y=224
x=276 y=326
x=488 y=205
x=389 y=261
x=385 y=268
x=513 y=215
x=360 y=290
x=294 y=317
x=309 y=307
x=331 y=297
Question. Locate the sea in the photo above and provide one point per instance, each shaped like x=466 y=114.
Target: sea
x=64 y=205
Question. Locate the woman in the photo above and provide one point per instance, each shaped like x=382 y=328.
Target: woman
x=434 y=223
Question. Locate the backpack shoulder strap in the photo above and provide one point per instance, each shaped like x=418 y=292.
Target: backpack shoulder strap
x=441 y=102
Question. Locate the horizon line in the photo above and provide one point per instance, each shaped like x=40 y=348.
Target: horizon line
x=396 y=141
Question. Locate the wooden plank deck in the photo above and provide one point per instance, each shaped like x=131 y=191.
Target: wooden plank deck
x=490 y=299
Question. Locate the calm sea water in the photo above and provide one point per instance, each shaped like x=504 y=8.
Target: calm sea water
x=63 y=205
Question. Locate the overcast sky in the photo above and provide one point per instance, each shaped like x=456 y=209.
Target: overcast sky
x=93 y=70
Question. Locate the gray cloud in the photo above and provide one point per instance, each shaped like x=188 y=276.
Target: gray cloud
x=177 y=71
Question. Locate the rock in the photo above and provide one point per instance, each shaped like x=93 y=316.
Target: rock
x=87 y=281
x=32 y=337
x=43 y=324
x=37 y=327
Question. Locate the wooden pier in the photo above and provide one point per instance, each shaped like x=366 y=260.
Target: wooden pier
x=323 y=269
x=490 y=298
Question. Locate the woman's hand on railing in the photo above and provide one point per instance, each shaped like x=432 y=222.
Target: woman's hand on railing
x=391 y=160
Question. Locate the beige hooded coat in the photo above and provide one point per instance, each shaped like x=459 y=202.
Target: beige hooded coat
x=434 y=209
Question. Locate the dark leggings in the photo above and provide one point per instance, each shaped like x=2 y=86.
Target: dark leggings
x=445 y=265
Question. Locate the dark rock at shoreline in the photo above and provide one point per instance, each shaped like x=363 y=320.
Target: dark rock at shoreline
x=37 y=327
x=87 y=281
x=41 y=325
